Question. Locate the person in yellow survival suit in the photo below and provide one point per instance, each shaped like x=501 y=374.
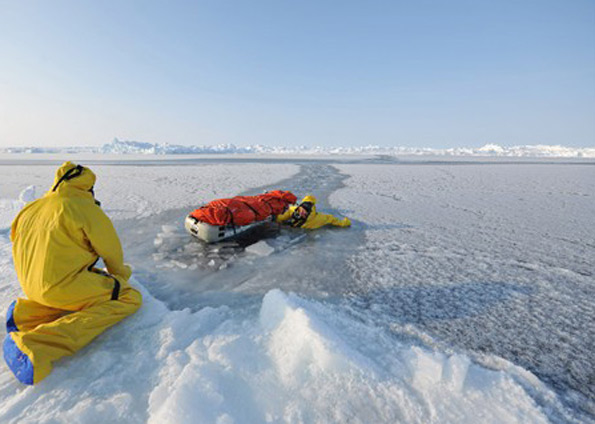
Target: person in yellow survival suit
x=57 y=241
x=304 y=215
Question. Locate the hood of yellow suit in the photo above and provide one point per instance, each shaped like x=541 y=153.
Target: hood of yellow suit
x=84 y=181
x=309 y=198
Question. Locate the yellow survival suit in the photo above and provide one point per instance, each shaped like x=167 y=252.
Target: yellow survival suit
x=57 y=240
x=311 y=219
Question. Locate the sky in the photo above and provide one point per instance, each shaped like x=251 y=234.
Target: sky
x=437 y=74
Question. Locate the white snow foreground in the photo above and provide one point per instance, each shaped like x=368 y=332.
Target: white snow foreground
x=297 y=361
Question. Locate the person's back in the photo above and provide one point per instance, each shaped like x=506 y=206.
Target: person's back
x=49 y=244
x=59 y=235
x=56 y=242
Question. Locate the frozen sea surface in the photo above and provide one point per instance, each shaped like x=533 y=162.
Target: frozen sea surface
x=495 y=259
x=462 y=293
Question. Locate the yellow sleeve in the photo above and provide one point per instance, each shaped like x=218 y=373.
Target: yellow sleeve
x=317 y=220
x=285 y=215
x=105 y=241
x=345 y=222
x=332 y=220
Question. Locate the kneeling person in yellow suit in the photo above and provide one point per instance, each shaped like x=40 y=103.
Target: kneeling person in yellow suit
x=304 y=215
x=57 y=240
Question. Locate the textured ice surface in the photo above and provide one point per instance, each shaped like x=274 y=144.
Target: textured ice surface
x=141 y=191
x=495 y=259
x=419 y=313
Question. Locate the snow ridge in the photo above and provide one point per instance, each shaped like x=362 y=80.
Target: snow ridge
x=489 y=150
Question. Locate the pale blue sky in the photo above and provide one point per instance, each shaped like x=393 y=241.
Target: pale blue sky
x=393 y=73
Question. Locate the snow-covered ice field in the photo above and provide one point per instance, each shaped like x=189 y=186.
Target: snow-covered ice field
x=463 y=293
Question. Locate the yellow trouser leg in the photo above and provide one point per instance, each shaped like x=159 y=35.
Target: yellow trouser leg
x=50 y=341
x=28 y=314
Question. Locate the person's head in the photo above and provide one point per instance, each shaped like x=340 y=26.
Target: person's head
x=309 y=199
x=76 y=177
x=304 y=209
x=302 y=212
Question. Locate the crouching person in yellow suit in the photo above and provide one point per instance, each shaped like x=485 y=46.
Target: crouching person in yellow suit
x=57 y=240
x=304 y=215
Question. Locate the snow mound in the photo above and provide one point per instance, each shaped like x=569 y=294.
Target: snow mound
x=9 y=208
x=293 y=364
x=28 y=194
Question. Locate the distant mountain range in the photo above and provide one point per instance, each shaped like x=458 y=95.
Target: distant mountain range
x=136 y=147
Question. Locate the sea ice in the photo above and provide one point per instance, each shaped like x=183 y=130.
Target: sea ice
x=432 y=283
x=261 y=248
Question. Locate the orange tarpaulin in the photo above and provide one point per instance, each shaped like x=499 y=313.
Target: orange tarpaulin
x=243 y=210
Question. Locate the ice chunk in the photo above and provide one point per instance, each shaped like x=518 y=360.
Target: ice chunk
x=192 y=248
x=427 y=370
x=455 y=372
x=158 y=256
x=169 y=241
x=262 y=248
x=179 y=264
x=28 y=194
x=168 y=228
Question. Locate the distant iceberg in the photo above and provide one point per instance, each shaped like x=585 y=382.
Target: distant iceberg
x=489 y=150
x=137 y=147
